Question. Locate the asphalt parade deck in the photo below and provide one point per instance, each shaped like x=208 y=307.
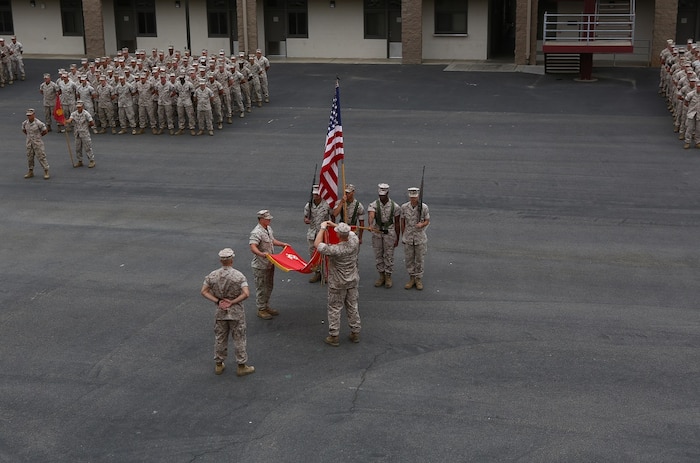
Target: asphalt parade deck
x=559 y=320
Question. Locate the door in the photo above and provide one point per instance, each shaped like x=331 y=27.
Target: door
x=275 y=28
x=125 y=22
x=687 y=22
x=394 y=28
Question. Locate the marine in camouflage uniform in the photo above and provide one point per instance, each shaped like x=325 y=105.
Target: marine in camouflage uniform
x=384 y=219
x=124 y=92
x=82 y=122
x=255 y=90
x=218 y=90
x=237 y=80
x=228 y=288
x=264 y=64
x=343 y=280
x=351 y=211
x=147 y=111
x=316 y=212
x=5 y=64
x=203 y=97
x=86 y=93
x=185 y=109
x=68 y=98
x=49 y=89
x=105 y=96
x=16 y=58
x=34 y=129
x=224 y=78
x=415 y=218
x=262 y=242
x=166 y=113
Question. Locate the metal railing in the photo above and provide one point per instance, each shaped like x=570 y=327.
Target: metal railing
x=576 y=28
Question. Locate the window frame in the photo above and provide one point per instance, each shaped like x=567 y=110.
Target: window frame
x=377 y=9
x=146 y=18
x=451 y=9
x=73 y=10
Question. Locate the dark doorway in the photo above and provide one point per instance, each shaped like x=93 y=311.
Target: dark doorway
x=502 y=29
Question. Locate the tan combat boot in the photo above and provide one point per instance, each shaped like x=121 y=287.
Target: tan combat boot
x=354 y=337
x=245 y=370
x=264 y=314
x=387 y=280
x=46 y=175
x=332 y=341
x=315 y=278
x=220 y=367
x=419 y=284
x=411 y=283
x=380 y=280
x=29 y=174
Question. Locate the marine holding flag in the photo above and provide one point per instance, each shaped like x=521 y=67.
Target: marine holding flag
x=262 y=242
x=343 y=280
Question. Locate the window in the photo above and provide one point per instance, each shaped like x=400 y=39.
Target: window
x=222 y=18
x=375 y=19
x=450 y=16
x=146 y=18
x=297 y=19
x=6 y=26
x=72 y=17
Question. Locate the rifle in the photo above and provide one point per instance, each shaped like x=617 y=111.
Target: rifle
x=420 y=196
x=311 y=193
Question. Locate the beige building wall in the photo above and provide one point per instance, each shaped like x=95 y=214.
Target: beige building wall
x=526 y=32
x=473 y=46
x=336 y=33
x=40 y=30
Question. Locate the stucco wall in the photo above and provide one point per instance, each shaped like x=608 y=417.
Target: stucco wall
x=474 y=46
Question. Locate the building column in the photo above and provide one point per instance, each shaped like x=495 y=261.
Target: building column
x=94 y=30
x=411 y=31
x=247 y=13
x=526 y=32
x=665 y=16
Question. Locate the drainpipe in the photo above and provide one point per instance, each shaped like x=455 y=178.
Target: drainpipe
x=528 y=31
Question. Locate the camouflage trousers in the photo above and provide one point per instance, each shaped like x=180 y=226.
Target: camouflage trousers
x=127 y=117
x=106 y=115
x=187 y=111
x=83 y=142
x=383 y=245
x=414 y=256
x=237 y=330
x=166 y=115
x=48 y=114
x=337 y=299
x=36 y=149
x=204 y=119
x=264 y=281
x=147 y=113
x=237 y=97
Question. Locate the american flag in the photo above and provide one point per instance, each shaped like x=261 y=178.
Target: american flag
x=334 y=153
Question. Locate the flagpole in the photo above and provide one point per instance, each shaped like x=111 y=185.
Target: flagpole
x=70 y=152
